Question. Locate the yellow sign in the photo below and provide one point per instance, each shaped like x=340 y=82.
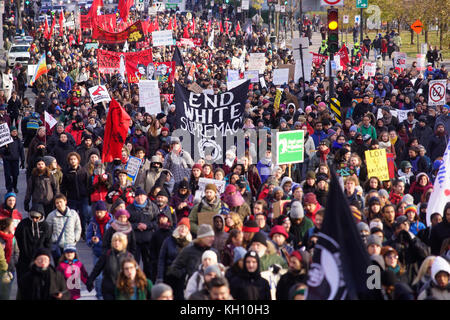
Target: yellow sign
x=276 y=104
x=377 y=164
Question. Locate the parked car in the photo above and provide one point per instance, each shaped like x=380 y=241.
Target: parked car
x=19 y=52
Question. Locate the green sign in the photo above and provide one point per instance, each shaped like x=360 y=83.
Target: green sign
x=361 y=4
x=290 y=146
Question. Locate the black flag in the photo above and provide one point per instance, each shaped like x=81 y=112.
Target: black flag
x=178 y=58
x=339 y=268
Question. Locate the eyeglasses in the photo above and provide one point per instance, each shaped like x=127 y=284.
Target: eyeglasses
x=392 y=256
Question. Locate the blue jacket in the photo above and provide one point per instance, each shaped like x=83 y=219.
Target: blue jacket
x=318 y=136
x=65 y=87
x=93 y=230
x=416 y=227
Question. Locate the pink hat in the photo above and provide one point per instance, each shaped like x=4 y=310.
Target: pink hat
x=322 y=104
x=308 y=109
x=278 y=229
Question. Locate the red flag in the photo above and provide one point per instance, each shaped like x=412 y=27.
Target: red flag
x=150 y=27
x=309 y=128
x=186 y=33
x=46 y=31
x=238 y=28
x=221 y=27
x=93 y=12
x=344 y=59
x=156 y=25
x=79 y=37
x=61 y=24
x=124 y=8
x=174 y=22
x=193 y=25
x=169 y=27
x=52 y=28
x=71 y=40
x=227 y=26
x=209 y=26
x=116 y=130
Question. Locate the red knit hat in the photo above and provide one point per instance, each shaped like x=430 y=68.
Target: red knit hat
x=297 y=255
x=230 y=189
x=197 y=166
x=186 y=222
x=278 y=229
x=310 y=198
x=250 y=226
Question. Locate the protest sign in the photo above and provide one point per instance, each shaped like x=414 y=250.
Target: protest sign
x=436 y=92
x=280 y=76
x=162 y=38
x=234 y=84
x=252 y=75
x=400 y=60
x=377 y=164
x=307 y=65
x=149 y=97
x=133 y=33
x=257 y=61
x=232 y=75
x=109 y=63
x=132 y=168
x=5 y=135
x=290 y=146
x=99 y=94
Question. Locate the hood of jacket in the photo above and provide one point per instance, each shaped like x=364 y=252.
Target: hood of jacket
x=439 y=264
x=223 y=222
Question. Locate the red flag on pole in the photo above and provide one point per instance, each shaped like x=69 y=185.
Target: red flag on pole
x=186 y=33
x=124 y=8
x=93 y=12
x=169 y=27
x=174 y=22
x=116 y=130
x=46 y=31
x=209 y=26
x=193 y=25
x=238 y=28
x=61 y=24
x=344 y=59
x=52 y=28
x=221 y=27
x=156 y=25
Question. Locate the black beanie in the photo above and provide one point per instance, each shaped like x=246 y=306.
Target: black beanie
x=42 y=252
x=259 y=237
x=164 y=193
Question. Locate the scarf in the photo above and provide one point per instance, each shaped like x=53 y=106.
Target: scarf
x=121 y=227
x=395 y=198
x=8 y=238
x=393 y=141
x=102 y=223
x=141 y=206
x=396 y=270
x=323 y=155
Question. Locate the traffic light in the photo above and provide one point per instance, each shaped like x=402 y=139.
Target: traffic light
x=333 y=30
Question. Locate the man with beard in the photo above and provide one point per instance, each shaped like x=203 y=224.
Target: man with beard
x=209 y=203
x=438 y=142
x=297 y=273
x=162 y=200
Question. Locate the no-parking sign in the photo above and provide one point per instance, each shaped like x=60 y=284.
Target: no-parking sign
x=436 y=92
x=336 y=3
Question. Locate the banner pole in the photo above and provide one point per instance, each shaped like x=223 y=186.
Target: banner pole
x=290 y=169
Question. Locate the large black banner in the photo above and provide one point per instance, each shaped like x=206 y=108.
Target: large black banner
x=209 y=119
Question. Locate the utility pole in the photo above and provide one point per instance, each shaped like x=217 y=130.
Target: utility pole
x=361 y=22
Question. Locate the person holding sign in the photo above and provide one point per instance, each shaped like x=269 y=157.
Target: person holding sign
x=11 y=154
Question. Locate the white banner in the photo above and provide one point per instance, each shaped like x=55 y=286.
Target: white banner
x=234 y=84
x=280 y=76
x=245 y=4
x=49 y=119
x=436 y=92
x=369 y=69
x=149 y=96
x=257 y=61
x=162 y=38
x=99 y=94
x=5 y=135
x=441 y=189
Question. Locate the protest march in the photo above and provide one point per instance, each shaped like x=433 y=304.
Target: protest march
x=153 y=151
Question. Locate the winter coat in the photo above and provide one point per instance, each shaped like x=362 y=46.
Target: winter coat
x=204 y=206
x=438 y=234
x=76 y=272
x=93 y=230
x=109 y=262
x=42 y=285
x=271 y=257
x=107 y=240
x=187 y=261
x=60 y=152
x=147 y=215
x=431 y=289
x=175 y=202
x=156 y=243
x=115 y=192
x=72 y=232
x=220 y=236
x=75 y=183
x=41 y=188
x=53 y=140
x=85 y=153
x=167 y=254
x=195 y=282
x=14 y=214
x=286 y=282
x=151 y=176
x=31 y=236
x=424 y=134
x=142 y=174
x=299 y=231
x=13 y=151
x=140 y=141
x=264 y=167
x=249 y=286
x=75 y=132
x=437 y=146
x=180 y=165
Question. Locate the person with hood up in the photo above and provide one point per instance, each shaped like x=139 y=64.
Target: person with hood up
x=42 y=281
x=220 y=236
x=286 y=185
x=211 y=202
x=182 y=201
x=41 y=187
x=420 y=186
x=236 y=203
x=439 y=287
x=248 y=284
x=301 y=224
x=297 y=273
x=152 y=175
